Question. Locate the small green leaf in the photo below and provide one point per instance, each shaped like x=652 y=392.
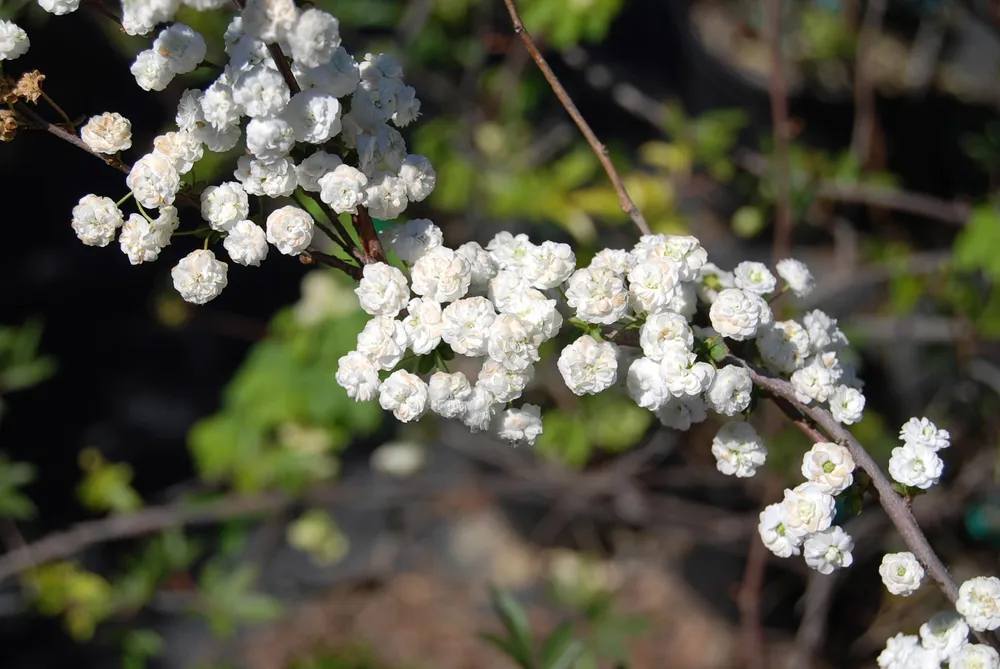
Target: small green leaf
x=514 y=619
x=560 y=650
x=718 y=351
x=507 y=648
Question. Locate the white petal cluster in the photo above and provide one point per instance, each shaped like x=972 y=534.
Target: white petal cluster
x=588 y=366
x=830 y=466
x=199 y=277
x=946 y=634
x=441 y=275
x=784 y=346
x=522 y=425
x=358 y=376
x=975 y=656
x=142 y=239
x=108 y=133
x=344 y=189
x=596 y=296
x=979 y=602
x=290 y=229
x=246 y=243
x=413 y=239
x=59 y=7
x=923 y=432
x=405 y=395
x=901 y=573
x=225 y=205
x=797 y=276
x=754 y=277
x=738 y=449
x=154 y=181
x=181 y=148
x=383 y=290
x=96 y=220
x=738 y=315
x=14 y=41
x=915 y=466
x=730 y=391
x=828 y=550
x=847 y=405
x=905 y=652
x=423 y=325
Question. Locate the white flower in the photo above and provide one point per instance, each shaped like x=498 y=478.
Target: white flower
x=505 y=285
x=449 y=394
x=513 y=343
x=383 y=341
x=224 y=205
x=339 y=77
x=651 y=285
x=413 y=239
x=189 y=110
x=517 y=425
x=922 y=431
x=730 y=391
x=549 y=264
x=154 y=181
x=14 y=41
x=945 y=633
x=382 y=290
x=510 y=252
x=904 y=652
x=646 y=385
x=274 y=179
x=915 y=465
x=597 y=296
x=59 y=7
x=480 y=410
x=405 y=395
x=386 y=195
x=975 y=656
x=466 y=325
x=798 y=277
x=108 y=133
x=182 y=47
x=95 y=220
x=738 y=449
x=830 y=466
x=314 y=116
x=270 y=139
x=588 y=366
x=504 y=384
x=616 y=261
x=979 y=602
x=418 y=176
x=199 y=277
x=685 y=300
x=358 y=376
x=774 y=534
x=182 y=149
x=314 y=38
x=808 y=509
x=441 y=275
x=847 y=405
x=246 y=243
x=151 y=71
x=261 y=92
x=824 y=335
x=141 y=240
x=290 y=229
x=680 y=412
x=685 y=253
x=683 y=373
x=536 y=310
x=813 y=382
x=784 y=346
x=901 y=573
x=313 y=168
x=754 y=277
x=711 y=280
x=422 y=324
x=735 y=314
x=828 y=550
x=344 y=189
x=662 y=331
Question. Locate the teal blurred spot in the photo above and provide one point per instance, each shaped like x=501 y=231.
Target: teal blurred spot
x=982 y=521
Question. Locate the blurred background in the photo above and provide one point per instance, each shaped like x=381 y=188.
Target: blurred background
x=332 y=537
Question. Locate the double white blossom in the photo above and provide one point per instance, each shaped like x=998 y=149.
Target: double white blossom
x=108 y=133
x=923 y=432
x=738 y=315
x=405 y=395
x=520 y=425
x=738 y=449
x=588 y=366
x=199 y=277
x=358 y=375
x=915 y=465
x=828 y=550
x=382 y=290
x=830 y=466
x=901 y=573
x=96 y=220
x=979 y=602
x=290 y=229
x=730 y=391
x=246 y=243
x=798 y=277
x=946 y=633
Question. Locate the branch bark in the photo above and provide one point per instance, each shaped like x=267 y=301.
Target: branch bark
x=778 y=93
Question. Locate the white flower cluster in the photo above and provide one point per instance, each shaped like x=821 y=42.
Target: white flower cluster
x=803 y=521
x=14 y=41
x=942 y=641
x=916 y=463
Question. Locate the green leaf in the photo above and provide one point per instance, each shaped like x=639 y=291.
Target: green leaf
x=560 y=650
x=514 y=619
x=976 y=244
x=507 y=648
x=718 y=351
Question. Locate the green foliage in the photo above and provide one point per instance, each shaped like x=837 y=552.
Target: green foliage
x=13 y=475
x=169 y=553
x=81 y=597
x=20 y=364
x=976 y=243
x=227 y=600
x=106 y=486
x=138 y=646
x=603 y=421
x=346 y=657
x=564 y=23
x=316 y=532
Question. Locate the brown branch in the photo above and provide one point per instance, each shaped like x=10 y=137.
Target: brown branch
x=32 y=118
x=748 y=603
x=865 y=116
x=371 y=245
x=599 y=149
x=311 y=256
x=778 y=93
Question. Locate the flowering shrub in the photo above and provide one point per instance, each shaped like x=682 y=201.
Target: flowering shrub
x=658 y=323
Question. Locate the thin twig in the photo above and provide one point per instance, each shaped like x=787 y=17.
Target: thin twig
x=599 y=149
x=26 y=112
x=865 y=116
x=371 y=245
x=778 y=92
x=748 y=602
x=311 y=255
x=319 y=224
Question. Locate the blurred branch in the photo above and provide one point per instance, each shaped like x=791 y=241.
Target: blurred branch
x=26 y=112
x=748 y=603
x=865 y=115
x=599 y=149
x=778 y=92
x=311 y=255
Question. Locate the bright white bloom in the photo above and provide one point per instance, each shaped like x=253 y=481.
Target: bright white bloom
x=422 y=324
x=597 y=296
x=405 y=395
x=915 y=465
x=314 y=38
x=181 y=148
x=139 y=17
x=275 y=179
x=314 y=116
x=269 y=20
x=510 y=253
x=441 y=275
x=975 y=656
x=754 y=277
x=616 y=261
x=419 y=177
x=218 y=107
x=358 y=376
x=151 y=71
x=828 y=550
x=449 y=394
x=651 y=285
x=808 y=509
x=922 y=431
x=141 y=240
x=504 y=384
x=344 y=189
x=95 y=220
x=466 y=324
x=901 y=573
x=549 y=265
x=182 y=46
x=588 y=366
x=520 y=425
x=199 y=277
x=413 y=239
x=261 y=92
x=798 y=277
x=312 y=169
x=382 y=290
x=536 y=310
x=224 y=205
x=847 y=405
x=270 y=139
x=505 y=285
x=14 y=41
x=738 y=449
x=166 y=223
x=904 y=652
x=189 y=110
x=736 y=315
x=680 y=412
x=383 y=341
x=775 y=535
x=290 y=229
x=339 y=77
x=685 y=253
x=662 y=331
x=784 y=346
x=246 y=243
x=730 y=391
x=824 y=335
x=813 y=382
x=646 y=385
x=513 y=343
x=108 y=133
x=386 y=194
x=480 y=410
x=945 y=633
x=154 y=181
x=685 y=300
x=711 y=280
x=683 y=374
x=59 y=7
x=830 y=466
x=979 y=602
